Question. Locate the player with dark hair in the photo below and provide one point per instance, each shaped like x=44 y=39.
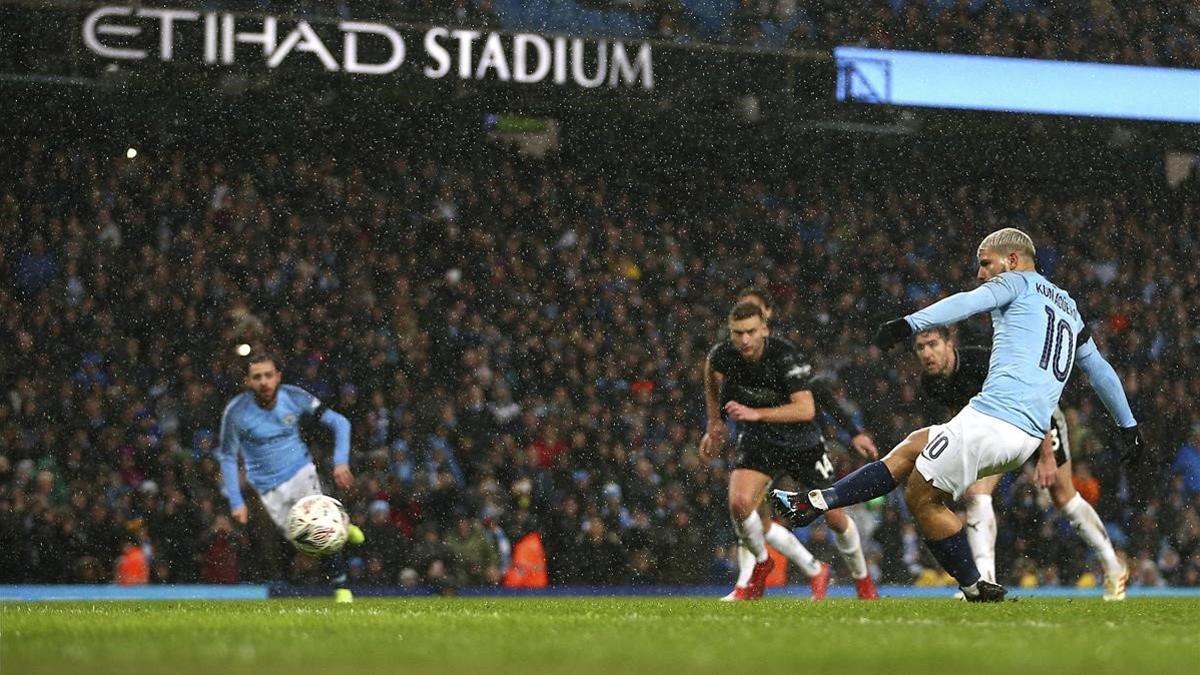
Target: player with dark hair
x=263 y=425
x=762 y=383
x=952 y=376
x=1038 y=337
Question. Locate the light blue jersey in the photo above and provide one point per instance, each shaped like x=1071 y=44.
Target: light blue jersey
x=1037 y=338
x=269 y=440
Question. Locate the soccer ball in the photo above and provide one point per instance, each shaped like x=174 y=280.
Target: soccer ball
x=317 y=525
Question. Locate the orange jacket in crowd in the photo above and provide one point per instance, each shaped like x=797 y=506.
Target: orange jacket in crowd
x=132 y=567
x=528 y=568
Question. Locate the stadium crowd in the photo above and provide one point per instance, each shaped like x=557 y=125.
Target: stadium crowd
x=518 y=344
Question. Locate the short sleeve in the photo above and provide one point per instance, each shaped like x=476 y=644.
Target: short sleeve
x=716 y=358
x=797 y=373
x=306 y=402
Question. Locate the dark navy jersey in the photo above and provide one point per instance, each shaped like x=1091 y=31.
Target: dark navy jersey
x=946 y=395
x=767 y=383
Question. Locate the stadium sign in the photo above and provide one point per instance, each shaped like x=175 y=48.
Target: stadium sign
x=364 y=48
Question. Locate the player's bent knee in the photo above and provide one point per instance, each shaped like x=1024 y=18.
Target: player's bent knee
x=1062 y=494
x=741 y=506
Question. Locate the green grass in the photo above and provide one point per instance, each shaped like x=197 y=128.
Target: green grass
x=663 y=636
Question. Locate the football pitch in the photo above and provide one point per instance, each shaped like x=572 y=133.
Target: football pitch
x=608 y=635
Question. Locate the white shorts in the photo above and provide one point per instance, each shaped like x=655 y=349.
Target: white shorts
x=971 y=446
x=281 y=500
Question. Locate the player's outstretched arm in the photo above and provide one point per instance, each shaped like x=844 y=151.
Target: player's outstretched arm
x=1107 y=385
x=998 y=292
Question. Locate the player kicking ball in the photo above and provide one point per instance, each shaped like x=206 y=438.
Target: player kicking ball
x=952 y=375
x=763 y=384
x=1038 y=337
x=263 y=425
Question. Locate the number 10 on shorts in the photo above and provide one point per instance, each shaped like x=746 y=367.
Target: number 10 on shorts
x=936 y=447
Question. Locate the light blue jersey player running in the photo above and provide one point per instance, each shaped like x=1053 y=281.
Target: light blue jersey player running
x=1038 y=337
x=263 y=426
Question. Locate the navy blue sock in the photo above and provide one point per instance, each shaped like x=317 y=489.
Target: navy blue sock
x=954 y=555
x=333 y=568
x=868 y=482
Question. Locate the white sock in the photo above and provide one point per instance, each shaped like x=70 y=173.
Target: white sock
x=850 y=547
x=782 y=540
x=1089 y=526
x=746 y=562
x=981 y=534
x=750 y=532
x=818 y=500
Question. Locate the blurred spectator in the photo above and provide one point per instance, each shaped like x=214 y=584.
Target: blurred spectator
x=222 y=552
x=604 y=560
x=475 y=561
x=1187 y=463
x=1086 y=483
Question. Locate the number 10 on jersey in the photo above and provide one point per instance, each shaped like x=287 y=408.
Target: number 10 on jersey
x=1060 y=339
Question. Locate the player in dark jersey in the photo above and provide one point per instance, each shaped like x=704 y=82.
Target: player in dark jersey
x=951 y=376
x=762 y=383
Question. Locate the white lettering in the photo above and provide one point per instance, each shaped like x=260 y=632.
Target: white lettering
x=438 y=52
x=622 y=69
x=560 y=60
x=166 y=33
x=577 y=71
x=303 y=38
x=492 y=57
x=521 y=72
x=465 y=38
x=350 y=60
x=266 y=38
x=533 y=58
x=210 y=38
x=91 y=29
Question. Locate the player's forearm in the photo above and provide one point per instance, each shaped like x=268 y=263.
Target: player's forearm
x=955 y=308
x=789 y=414
x=712 y=407
x=1046 y=451
x=231 y=481
x=340 y=426
x=1107 y=385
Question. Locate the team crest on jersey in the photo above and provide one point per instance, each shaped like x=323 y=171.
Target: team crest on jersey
x=289 y=419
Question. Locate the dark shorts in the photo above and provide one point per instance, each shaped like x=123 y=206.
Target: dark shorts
x=809 y=467
x=1059 y=437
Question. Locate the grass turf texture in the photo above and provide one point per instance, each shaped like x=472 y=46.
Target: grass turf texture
x=433 y=635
